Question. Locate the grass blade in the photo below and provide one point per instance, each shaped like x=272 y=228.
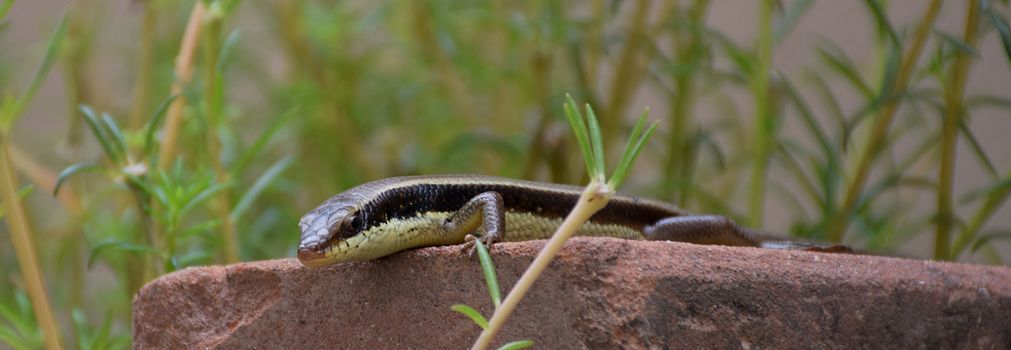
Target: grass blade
x=259 y=185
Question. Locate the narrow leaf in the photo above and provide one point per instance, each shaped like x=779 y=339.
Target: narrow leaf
x=791 y=15
x=472 y=314
x=988 y=237
x=977 y=149
x=519 y=344
x=618 y=178
x=254 y=150
x=100 y=134
x=152 y=126
x=958 y=43
x=488 y=268
x=579 y=128
x=115 y=133
x=118 y=245
x=596 y=143
x=841 y=64
x=881 y=18
x=203 y=196
x=1001 y=24
x=261 y=183
x=71 y=170
x=55 y=41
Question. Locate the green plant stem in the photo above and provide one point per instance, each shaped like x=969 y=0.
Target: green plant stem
x=450 y=78
x=145 y=66
x=594 y=198
x=300 y=50
x=183 y=73
x=24 y=249
x=628 y=71
x=765 y=123
x=77 y=52
x=680 y=157
x=839 y=222
x=954 y=108
x=213 y=106
x=594 y=44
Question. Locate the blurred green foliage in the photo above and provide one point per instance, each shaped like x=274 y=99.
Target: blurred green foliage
x=292 y=101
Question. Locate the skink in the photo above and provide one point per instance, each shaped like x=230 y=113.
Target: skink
x=383 y=217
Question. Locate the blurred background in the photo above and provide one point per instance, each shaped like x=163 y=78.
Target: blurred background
x=194 y=133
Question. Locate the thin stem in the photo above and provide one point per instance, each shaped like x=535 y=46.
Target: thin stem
x=24 y=248
x=627 y=74
x=213 y=107
x=145 y=66
x=765 y=120
x=679 y=168
x=953 y=113
x=183 y=73
x=594 y=198
x=839 y=222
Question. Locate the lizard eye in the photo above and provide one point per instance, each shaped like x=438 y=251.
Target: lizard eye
x=352 y=222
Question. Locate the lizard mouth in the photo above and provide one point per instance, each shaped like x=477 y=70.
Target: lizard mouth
x=317 y=255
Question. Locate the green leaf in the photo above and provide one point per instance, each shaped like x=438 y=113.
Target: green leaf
x=579 y=128
x=977 y=149
x=1001 y=24
x=152 y=126
x=116 y=134
x=990 y=236
x=884 y=25
x=71 y=170
x=55 y=41
x=841 y=64
x=202 y=196
x=987 y=191
x=227 y=48
x=254 y=150
x=958 y=43
x=472 y=314
x=259 y=185
x=791 y=15
x=98 y=128
x=23 y=192
x=119 y=245
x=596 y=142
x=988 y=101
x=631 y=153
x=519 y=344
x=488 y=268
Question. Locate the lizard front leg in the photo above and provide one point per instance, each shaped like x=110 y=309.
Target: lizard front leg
x=484 y=214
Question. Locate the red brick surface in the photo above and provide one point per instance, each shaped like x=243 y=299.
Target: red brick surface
x=599 y=293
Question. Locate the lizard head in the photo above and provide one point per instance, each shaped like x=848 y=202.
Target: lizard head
x=330 y=231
